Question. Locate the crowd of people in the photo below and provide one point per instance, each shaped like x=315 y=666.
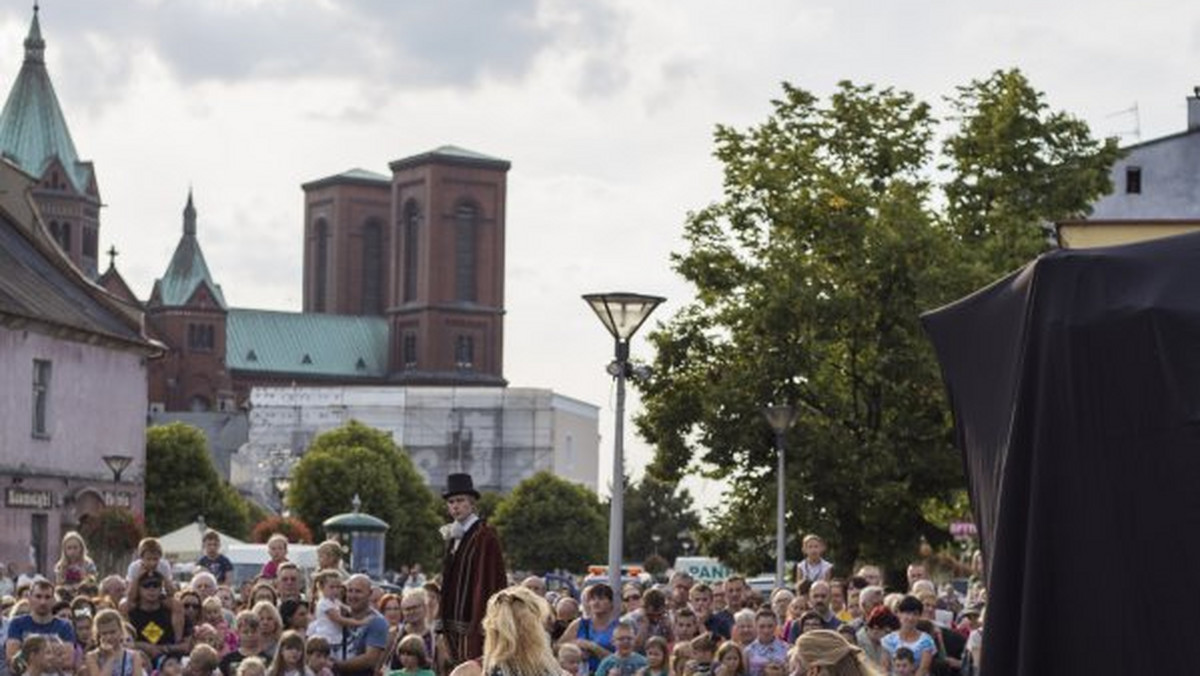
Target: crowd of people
x=326 y=622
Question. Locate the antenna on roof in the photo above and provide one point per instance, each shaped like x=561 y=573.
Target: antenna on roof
x=1133 y=110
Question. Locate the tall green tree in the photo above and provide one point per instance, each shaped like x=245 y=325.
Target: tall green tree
x=359 y=460
x=182 y=484
x=656 y=513
x=548 y=523
x=810 y=274
x=1016 y=167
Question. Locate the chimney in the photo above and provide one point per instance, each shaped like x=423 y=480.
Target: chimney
x=1194 y=110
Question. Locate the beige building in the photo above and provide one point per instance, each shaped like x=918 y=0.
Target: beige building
x=500 y=435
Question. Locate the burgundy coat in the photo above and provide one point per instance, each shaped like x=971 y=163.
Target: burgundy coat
x=470 y=575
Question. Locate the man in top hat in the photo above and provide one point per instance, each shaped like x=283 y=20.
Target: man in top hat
x=472 y=570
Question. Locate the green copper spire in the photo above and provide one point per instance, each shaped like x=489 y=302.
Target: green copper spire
x=187 y=270
x=33 y=131
x=35 y=46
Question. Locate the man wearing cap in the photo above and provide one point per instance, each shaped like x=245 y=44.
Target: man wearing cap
x=472 y=570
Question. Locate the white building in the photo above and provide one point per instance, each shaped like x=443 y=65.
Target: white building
x=500 y=435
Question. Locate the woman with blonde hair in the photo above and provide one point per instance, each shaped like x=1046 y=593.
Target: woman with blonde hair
x=826 y=653
x=515 y=642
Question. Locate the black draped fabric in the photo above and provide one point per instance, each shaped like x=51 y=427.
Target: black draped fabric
x=1075 y=387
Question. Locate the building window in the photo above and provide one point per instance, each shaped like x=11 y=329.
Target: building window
x=411 y=223
x=464 y=352
x=372 y=269
x=61 y=232
x=89 y=242
x=321 y=291
x=466 y=226
x=41 y=398
x=409 y=349
x=1133 y=180
x=201 y=337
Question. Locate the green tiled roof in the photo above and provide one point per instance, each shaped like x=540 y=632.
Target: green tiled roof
x=455 y=151
x=33 y=130
x=364 y=175
x=306 y=343
x=187 y=269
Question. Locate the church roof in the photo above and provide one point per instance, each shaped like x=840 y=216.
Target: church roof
x=33 y=131
x=308 y=344
x=34 y=287
x=187 y=271
x=352 y=176
x=449 y=154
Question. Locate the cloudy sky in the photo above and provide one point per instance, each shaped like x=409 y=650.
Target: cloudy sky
x=606 y=109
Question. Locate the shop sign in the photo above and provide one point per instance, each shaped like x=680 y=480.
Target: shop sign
x=118 y=499
x=28 y=498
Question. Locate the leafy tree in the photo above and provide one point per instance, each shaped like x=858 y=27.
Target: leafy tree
x=1017 y=167
x=359 y=460
x=182 y=484
x=112 y=535
x=657 y=508
x=810 y=275
x=488 y=502
x=548 y=523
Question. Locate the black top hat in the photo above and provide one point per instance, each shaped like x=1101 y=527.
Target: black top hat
x=459 y=484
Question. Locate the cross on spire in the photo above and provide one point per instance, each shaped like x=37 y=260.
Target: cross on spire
x=112 y=256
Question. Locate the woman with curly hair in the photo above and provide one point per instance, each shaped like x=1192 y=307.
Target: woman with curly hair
x=828 y=653
x=515 y=642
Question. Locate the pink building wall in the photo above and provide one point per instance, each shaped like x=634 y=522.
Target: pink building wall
x=97 y=406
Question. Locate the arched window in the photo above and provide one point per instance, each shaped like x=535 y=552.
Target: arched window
x=411 y=223
x=372 y=268
x=466 y=226
x=321 y=283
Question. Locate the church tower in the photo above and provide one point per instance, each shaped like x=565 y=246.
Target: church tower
x=446 y=321
x=34 y=136
x=187 y=311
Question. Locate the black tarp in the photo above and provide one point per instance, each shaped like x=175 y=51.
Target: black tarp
x=1075 y=387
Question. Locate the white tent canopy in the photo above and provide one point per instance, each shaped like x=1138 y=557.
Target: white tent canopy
x=183 y=545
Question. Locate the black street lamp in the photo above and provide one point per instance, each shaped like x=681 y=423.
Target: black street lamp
x=117 y=464
x=622 y=314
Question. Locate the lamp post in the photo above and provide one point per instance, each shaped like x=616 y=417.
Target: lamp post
x=282 y=484
x=116 y=465
x=780 y=417
x=622 y=314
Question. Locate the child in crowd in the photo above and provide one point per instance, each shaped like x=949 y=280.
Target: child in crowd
x=703 y=649
x=731 y=661
x=289 y=657
x=814 y=567
x=904 y=663
x=74 y=566
x=38 y=655
x=213 y=614
x=329 y=617
x=656 y=657
x=213 y=560
x=111 y=655
x=252 y=666
x=277 y=547
x=171 y=666
x=681 y=657
x=317 y=651
x=623 y=662
x=413 y=660
x=570 y=658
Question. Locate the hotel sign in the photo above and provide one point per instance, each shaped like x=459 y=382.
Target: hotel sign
x=31 y=499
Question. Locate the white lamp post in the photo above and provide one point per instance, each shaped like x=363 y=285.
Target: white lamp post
x=780 y=417
x=622 y=314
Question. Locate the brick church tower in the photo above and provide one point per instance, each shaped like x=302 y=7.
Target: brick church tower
x=34 y=136
x=187 y=312
x=425 y=249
